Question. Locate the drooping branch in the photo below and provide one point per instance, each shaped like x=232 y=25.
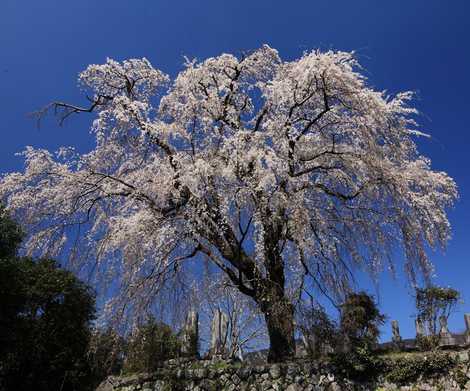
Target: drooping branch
x=63 y=110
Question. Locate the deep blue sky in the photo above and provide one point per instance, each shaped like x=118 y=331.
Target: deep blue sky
x=420 y=45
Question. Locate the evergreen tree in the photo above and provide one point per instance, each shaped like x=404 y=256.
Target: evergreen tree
x=45 y=316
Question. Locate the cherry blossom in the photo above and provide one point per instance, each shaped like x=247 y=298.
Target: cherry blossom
x=285 y=175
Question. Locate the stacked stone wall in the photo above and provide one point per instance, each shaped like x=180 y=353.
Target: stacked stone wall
x=205 y=375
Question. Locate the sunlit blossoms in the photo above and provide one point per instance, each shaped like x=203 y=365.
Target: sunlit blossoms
x=286 y=175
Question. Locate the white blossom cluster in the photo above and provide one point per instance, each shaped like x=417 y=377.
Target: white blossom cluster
x=243 y=161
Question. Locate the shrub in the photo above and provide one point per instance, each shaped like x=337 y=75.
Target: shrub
x=359 y=364
x=426 y=343
x=360 y=320
x=409 y=368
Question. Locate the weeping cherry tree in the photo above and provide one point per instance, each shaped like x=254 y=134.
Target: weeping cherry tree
x=287 y=176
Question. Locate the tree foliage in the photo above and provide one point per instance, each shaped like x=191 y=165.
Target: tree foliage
x=11 y=235
x=49 y=333
x=361 y=320
x=354 y=336
x=152 y=343
x=45 y=315
x=275 y=171
x=433 y=302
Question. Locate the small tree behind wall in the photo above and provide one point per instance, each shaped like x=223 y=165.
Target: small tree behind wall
x=285 y=175
x=361 y=320
x=433 y=302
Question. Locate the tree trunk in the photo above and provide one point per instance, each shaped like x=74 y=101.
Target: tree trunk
x=279 y=318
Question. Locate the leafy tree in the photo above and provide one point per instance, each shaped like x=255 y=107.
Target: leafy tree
x=50 y=332
x=12 y=295
x=10 y=235
x=360 y=320
x=12 y=302
x=433 y=302
x=45 y=315
x=274 y=171
x=151 y=344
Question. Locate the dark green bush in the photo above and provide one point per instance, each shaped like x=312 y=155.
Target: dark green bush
x=359 y=364
x=360 y=320
x=10 y=235
x=460 y=378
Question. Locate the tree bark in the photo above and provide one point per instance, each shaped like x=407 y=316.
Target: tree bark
x=268 y=291
x=279 y=316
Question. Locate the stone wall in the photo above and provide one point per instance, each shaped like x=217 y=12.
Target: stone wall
x=205 y=375
x=218 y=376
x=190 y=374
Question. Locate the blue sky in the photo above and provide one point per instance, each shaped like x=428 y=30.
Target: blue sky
x=420 y=45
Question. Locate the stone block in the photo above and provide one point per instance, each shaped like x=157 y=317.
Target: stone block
x=293 y=387
x=219 y=334
x=275 y=371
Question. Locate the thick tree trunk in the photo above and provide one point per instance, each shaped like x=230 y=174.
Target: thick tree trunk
x=279 y=318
